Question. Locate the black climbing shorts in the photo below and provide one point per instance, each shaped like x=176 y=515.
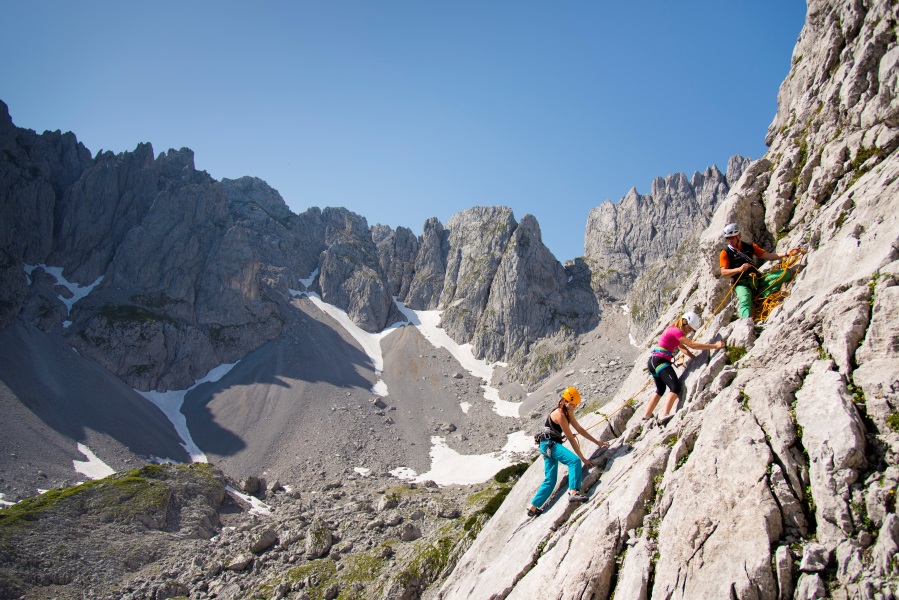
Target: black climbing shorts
x=667 y=377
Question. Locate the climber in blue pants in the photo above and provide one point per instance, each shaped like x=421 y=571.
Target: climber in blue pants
x=559 y=422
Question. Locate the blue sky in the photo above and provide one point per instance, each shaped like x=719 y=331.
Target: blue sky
x=401 y=111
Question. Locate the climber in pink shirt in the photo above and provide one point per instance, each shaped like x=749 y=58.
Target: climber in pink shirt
x=660 y=361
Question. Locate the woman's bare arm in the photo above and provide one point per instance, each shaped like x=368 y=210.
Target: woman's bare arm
x=583 y=432
x=685 y=341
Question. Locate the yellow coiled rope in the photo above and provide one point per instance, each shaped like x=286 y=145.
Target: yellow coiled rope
x=765 y=305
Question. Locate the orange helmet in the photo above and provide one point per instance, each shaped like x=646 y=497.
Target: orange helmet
x=571 y=395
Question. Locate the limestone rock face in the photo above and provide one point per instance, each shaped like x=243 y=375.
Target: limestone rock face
x=477 y=240
x=286 y=245
x=639 y=248
x=430 y=267
x=397 y=251
x=100 y=209
x=351 y=276
x=190 y=278
x=531 y=298
x=34 y=172
x=784 y=453
x=184 y=273
x=835 y=438
x=498 y=285
x=174 y=285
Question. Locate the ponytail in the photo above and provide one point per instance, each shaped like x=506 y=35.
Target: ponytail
x=563 y=405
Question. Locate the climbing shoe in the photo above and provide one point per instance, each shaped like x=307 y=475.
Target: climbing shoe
x=534 y=512
x=577 y=498
x=665 y=420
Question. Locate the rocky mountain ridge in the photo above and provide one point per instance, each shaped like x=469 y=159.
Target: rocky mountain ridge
x=639 y=248
x=179 y=260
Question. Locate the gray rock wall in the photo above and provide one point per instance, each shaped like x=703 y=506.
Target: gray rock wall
x=397 y=251
x=478 y=237
x=351 y=276
x=640 y=248
x=531 y=299
x=430 y=267
x=180 y=261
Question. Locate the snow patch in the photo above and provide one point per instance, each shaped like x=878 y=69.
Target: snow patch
x=428 y=323
x=5 y=502
x=370 y=342
x=448 y=467
x=365 y=472
x=170 y=402
x=93 y=467
x=465 y=406
x=503 y=408
x=307 y=283
x=78 y=291
x=258 y=507
x=404 y=473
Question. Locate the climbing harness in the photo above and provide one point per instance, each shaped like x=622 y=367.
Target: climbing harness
x=655 y=372
x=551 y=430
x=547 y=434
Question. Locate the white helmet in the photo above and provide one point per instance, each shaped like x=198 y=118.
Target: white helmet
x=731 y=229
x=693 y=320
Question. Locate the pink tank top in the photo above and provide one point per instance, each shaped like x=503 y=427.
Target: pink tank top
x=670 y=339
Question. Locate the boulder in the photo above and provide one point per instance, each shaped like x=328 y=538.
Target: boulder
x=834 y=437
x=318 y=540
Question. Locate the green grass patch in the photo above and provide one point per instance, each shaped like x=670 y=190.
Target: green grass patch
x=734 y=353
x=893 y=421
x=316 y=575
x=495 y=502
x=134 y=496
x=633 y=437
x=811 y=501
x=511 y=473
x=428 y=562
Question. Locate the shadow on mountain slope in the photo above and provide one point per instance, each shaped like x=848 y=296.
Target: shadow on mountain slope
x=275 y=401
x=52 y=398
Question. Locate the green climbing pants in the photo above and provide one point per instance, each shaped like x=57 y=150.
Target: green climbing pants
x=762 y=287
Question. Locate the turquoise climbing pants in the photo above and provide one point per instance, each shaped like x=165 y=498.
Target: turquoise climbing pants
x=553 y=454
